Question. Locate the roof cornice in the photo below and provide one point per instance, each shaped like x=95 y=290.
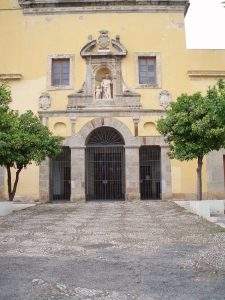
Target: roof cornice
x=89 y=6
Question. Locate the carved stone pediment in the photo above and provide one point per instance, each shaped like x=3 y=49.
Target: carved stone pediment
x=102 y=46
x=104 y=85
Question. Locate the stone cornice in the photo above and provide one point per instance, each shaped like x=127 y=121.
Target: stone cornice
x=10 y=76
x=206 y=73
x=90 y=6
x=102 y=113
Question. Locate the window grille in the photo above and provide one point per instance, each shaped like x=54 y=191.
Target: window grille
x=147 y=70
x=60 y=72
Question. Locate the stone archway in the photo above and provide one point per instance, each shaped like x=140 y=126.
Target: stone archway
x=79 y=139
x=105 y=165
x=77 y=145
x=132 y=145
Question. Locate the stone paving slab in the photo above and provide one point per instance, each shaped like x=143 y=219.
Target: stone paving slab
x=100 y=250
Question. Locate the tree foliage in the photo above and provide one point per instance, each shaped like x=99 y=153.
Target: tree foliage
x=5 y=95
x=23 y=140
x=194 y=125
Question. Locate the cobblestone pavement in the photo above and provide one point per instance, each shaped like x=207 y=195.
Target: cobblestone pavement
x=120 y=251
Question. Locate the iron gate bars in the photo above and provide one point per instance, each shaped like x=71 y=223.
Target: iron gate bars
x=150 y=172
x=105 y=167
x=60 y=175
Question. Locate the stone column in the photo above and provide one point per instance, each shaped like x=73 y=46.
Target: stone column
x=132 y=173
x=166 y=174
x=77 y=174
x=44 y=181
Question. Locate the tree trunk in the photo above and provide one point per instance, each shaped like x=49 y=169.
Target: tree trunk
x=199 y=178
x=12 y=191
x=9 y=182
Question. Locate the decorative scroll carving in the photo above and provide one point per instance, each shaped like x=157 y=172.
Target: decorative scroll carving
x=45 y=101
x=164 y=98
x=103 y=40
x=97 y=47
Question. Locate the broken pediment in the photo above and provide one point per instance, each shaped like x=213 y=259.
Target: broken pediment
x=103 y=46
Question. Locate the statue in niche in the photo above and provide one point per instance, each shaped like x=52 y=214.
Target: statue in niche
x=106 y=86
x=104 y=90
x=98 y=92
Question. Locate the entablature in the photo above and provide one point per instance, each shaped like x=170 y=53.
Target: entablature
x=104 y=112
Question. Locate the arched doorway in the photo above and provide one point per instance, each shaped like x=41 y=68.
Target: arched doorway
x=105 y=165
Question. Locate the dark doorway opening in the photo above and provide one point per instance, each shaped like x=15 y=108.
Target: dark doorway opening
x=105 y=165
x=150 y=172
x=60 y=176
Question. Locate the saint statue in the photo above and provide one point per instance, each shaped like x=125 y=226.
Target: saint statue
x=98 y=92
x=106 y=87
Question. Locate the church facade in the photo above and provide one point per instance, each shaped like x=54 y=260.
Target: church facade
x=100 y=74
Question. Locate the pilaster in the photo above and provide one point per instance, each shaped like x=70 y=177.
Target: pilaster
x=132 y=174
x=77 y=174
x=166 y=185
x=44 y=181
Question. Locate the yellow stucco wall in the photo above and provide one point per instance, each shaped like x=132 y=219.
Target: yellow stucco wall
x=184 y=178
x=28 y=40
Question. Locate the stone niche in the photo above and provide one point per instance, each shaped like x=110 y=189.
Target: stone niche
x=104 y=85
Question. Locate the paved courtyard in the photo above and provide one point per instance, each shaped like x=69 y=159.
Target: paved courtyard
x=147 y=250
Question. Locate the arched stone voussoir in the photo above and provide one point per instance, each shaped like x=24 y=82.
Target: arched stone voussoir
x=79 y=139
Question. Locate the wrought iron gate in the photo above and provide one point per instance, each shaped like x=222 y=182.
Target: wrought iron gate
x=105 y=178
x=150 y=172
x=60 y=175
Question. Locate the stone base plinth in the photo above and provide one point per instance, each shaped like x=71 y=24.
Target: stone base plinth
x=132 y=197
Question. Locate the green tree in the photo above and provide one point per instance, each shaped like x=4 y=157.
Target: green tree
x=23 y=140
x=194 y=125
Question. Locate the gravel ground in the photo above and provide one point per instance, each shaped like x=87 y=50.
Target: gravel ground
x=147 y=250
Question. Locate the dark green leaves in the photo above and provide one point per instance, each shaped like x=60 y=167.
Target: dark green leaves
x=194 y=125
x=5 y=95
x=23 y=138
